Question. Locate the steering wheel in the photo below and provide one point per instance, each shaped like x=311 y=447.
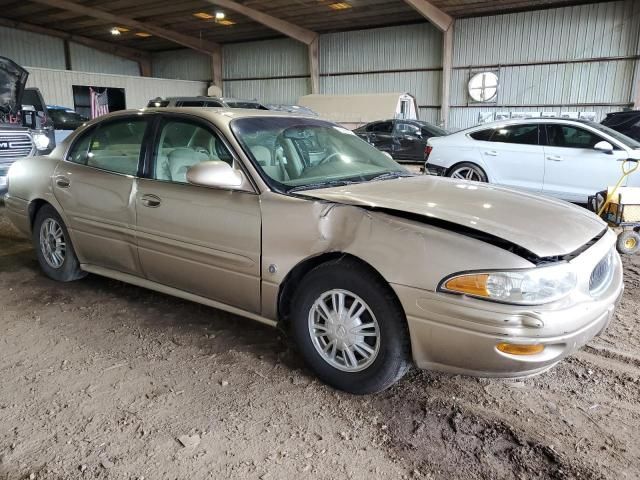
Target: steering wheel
x=329 y=158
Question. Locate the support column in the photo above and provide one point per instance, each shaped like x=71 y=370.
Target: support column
x=314 y=65
x=67 y=55
x=447 y=63
x=145 y=67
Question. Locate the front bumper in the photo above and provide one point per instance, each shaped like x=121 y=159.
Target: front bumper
x=459 y=334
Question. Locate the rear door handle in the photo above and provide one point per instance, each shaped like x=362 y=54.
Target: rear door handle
x=554 y=158
x=151 y=201
x=491 y=153
x=63 y=182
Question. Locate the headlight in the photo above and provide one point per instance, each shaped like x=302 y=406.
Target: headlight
x=520 y=287
x=41 y=140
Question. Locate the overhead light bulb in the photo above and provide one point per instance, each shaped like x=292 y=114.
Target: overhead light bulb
x=115 y=31
x=220 y=15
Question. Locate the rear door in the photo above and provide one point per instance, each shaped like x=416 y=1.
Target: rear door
x=515 y=156
x=200 y=240
x=574 y=169
x=408 y=142
x=96 y=185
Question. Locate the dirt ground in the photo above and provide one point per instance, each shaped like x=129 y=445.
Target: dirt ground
x=99 y=379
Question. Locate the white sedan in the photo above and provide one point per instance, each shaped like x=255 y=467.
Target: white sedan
x=568 y=159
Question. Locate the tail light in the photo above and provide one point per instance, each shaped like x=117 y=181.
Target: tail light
x=427 y=151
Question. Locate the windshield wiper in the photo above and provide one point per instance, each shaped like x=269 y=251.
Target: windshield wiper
x=313 y=186
x=391 y=175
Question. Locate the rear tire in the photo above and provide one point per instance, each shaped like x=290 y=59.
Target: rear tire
x=468 y=171
x=53 y=246
x=628 y=242
x=350 y=328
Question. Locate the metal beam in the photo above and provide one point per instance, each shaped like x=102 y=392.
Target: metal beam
x=112 y=48
x=203 y=46
x=289 y=29
x=432 y=13
x=314 y=65
x=216 y=68
x=447 y=63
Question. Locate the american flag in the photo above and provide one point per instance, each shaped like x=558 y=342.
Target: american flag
x=99 y=102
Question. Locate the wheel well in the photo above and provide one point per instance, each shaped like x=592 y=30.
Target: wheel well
x=34 y=206
x=294 y=277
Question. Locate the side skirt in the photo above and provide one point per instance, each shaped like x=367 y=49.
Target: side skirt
x=144 y=283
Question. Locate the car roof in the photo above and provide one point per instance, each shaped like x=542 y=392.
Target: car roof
x=205 y=98
x=520 y=121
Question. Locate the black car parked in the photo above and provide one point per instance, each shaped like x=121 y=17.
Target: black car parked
x=404 y=140
x=627 y=123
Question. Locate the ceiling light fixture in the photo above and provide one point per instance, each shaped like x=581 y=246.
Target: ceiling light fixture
x=143 y=34
x=203 y=15
x=115 y=31
x=339 y=6
x=226 y=23
x=220 y=15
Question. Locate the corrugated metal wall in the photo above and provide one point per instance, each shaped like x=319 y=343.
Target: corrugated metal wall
x=272 y=71
x=580 y=58
x=392 y=59
x=183 y=64
x=85 y=59
x=56 y=86
x=26 y=48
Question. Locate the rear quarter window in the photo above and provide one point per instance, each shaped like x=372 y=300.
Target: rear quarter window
x=482 y=135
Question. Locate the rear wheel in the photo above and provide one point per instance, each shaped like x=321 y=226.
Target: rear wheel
x=467 y=171
x=628 y=242
x=53 y=246
x=350 y=328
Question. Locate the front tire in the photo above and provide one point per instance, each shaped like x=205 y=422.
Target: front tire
x=53 y=246
x=350 y=328
x=468 y=171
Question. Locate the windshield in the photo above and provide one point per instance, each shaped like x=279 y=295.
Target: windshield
x=297 y=153
x=66 y=120
x=622 y=138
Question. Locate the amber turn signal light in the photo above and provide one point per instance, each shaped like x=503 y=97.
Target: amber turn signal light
x=515 y=349
x=470 y=284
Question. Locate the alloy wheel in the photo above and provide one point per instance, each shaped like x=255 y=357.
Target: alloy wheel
x=466 y=173
x=52 y=243
x=344 y=330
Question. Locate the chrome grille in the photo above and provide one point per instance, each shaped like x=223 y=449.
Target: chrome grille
x=14 y=145
x=601 y=275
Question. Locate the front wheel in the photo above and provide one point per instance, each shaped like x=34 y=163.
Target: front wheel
x=468 y=171
x=53 y=246
x=350 y=328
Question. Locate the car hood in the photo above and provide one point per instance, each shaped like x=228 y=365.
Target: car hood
x=543 y=226
x=13 y=78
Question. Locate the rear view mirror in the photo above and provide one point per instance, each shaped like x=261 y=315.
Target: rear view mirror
x=604 y=147
x=216 y=174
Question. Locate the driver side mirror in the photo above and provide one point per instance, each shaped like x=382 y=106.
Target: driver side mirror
x=604 y=147
x=217 y=174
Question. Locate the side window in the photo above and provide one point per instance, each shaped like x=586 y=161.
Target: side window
x=115 y=146
x=407 y=129
x=570 y=137
x=518 y=134
x=80 y=148
x=211 y=104
x=382 y=127
x=190 y=103
x=483 y=135
x=182 y=144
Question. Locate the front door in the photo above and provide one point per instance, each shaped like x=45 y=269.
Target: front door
x=408 y=143
x=380 y=135
x=515 y=156
x=574 y=170
x=200 y=240
x=95 y=187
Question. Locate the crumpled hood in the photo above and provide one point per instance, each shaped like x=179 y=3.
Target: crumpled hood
x=13 y=78
x=541 y=225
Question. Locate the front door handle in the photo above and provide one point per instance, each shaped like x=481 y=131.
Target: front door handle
x=554 y=158
x=491 y=153
x=63 y=182
x=150 y=201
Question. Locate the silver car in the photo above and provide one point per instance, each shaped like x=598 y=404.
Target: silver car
x=296 y=221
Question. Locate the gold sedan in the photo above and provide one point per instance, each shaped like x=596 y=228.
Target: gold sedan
x=294 y=220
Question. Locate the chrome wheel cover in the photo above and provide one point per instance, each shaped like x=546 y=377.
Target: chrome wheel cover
x=466 y=173
x=344 y=330
x=52 y=243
